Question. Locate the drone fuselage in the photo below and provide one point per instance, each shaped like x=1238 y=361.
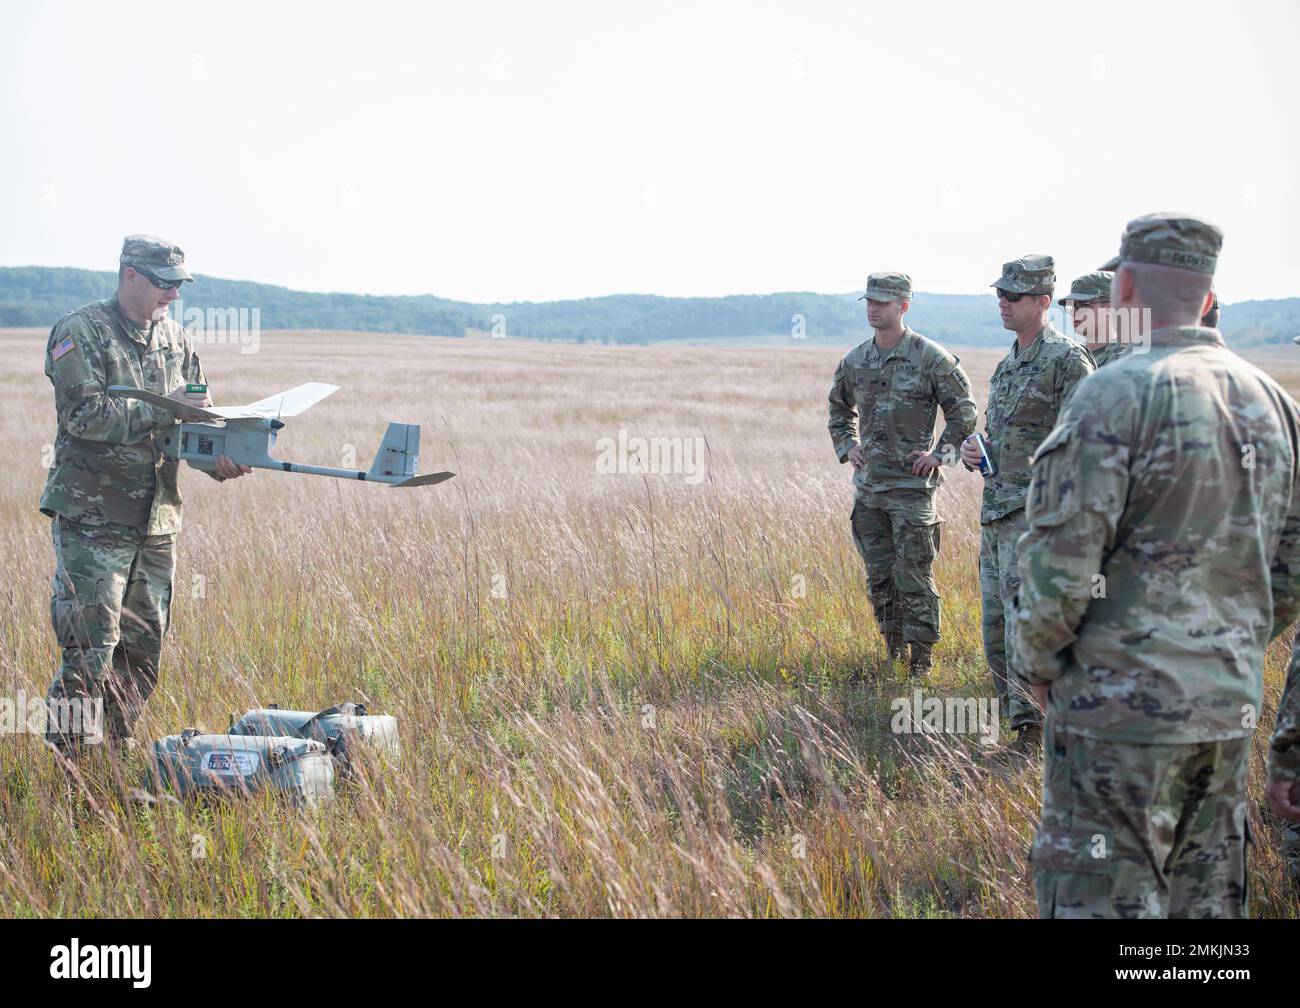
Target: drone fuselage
x=248 y=441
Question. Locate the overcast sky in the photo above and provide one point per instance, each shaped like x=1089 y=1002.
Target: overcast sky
x=529 y=151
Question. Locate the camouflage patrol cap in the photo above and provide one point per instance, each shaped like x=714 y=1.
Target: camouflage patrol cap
x=160 y=257
x=1031 y=274
x=1170 y=240
x=887 y=287
x=1089 y=287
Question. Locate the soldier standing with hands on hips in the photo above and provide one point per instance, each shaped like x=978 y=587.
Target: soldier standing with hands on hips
x=112 y=494
x=1026 y=393
x=883 y=401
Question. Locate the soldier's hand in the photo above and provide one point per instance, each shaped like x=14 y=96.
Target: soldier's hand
x=190 y=400
x=857 y=456
x=970 y=454
x=924 y=463
x=1284 y=798
x=228 y=469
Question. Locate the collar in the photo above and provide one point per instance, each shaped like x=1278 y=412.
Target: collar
x=1030 y=352
x=907 y=333
x=130 y=328
x=1188 y=335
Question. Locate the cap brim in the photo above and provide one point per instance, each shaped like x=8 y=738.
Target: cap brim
x=1110 y=265
x=171 y=273
x=1079 y=299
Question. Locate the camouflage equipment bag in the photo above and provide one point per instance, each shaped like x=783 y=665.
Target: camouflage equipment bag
x=345 y=730
x=193 y=763
x=296 y=753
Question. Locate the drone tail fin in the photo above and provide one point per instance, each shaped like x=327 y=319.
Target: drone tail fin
x=399 y=453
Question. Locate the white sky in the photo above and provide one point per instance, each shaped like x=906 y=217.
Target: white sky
x=529 y=151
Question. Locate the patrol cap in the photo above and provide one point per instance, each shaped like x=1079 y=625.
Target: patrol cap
x=887 y=287
x=160 y=257
x=1031 y=274
x=1093 y=286
x=1167 y=239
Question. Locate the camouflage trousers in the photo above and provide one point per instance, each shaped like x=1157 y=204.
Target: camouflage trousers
x=897 y=534
x=999 y=585
x=110 y=609
x=1132 y=830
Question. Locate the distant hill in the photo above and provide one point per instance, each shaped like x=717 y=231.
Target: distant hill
x=39 y=295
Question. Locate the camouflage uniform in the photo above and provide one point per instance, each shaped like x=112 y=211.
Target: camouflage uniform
x=1027 y=390
x=113 y=497
x=1284 y=749
x=1284 y=755
x=1106 y=354
x=886 y=401
x=1163 y=553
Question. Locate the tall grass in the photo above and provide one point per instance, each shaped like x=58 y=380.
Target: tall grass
x=618 y=695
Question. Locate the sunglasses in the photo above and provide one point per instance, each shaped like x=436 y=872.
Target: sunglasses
x=1012 y=297
x=157 y=281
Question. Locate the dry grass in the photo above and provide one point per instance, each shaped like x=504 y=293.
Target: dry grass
x=643 y=719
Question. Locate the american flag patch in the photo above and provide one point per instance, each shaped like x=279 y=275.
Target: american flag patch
x=62 y=347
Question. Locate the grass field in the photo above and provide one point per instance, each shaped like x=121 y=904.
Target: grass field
x=619 y=695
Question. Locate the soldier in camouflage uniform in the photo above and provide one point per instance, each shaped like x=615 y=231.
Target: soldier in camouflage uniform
x=883 y=403
x=1089 y=306
x=1163 y=553
x=1284 y=750
x=1284 y=765
x=112 y=493
x=1027 y=390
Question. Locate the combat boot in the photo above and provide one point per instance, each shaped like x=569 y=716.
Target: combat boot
x=897 y=648
x=1029 y=740
x=922 y=659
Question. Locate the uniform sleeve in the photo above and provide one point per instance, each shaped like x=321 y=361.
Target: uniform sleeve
x=844 y=417
x=1284 y=747
x=74 y=362
x=1076 y=496
x=1074 y=369
x=952 y=390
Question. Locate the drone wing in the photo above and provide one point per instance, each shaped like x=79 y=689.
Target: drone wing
x=283 y=404
x=292 y=402
x=162 y=402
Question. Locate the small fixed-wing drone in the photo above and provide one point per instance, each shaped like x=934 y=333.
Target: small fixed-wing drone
x=247 y=434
